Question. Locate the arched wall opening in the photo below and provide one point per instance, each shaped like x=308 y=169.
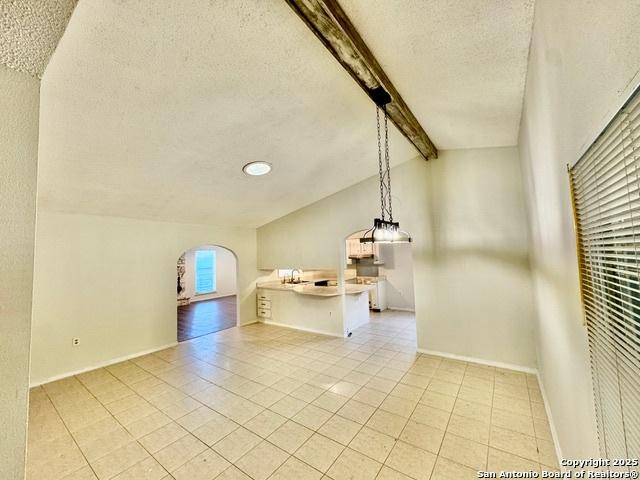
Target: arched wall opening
x=206 y=291
x=388 y=268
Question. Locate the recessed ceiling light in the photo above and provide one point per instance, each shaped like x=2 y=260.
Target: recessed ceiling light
x=257 y=168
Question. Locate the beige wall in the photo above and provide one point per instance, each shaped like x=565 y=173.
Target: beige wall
x=18 y=159
x=466 y=213
x=111 y=282
x=583 y=64
x=398 y=270
x=226 y=277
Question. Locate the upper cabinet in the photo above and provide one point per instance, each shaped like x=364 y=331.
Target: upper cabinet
x=357 y=250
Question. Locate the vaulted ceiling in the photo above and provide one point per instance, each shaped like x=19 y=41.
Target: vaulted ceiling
x=150 y=109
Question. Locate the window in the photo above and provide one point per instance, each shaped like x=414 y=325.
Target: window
x=205 y=271
x=284 y=272
x=605 y=186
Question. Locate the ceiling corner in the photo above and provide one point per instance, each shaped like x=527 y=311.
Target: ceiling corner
x=30 y=31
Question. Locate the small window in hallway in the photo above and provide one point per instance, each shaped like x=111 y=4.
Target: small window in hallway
x=605 y=188
x=205 y=272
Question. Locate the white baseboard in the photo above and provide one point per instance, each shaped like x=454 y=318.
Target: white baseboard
x=552 y=425
x=101 y=365
x=520 y=368
x=401 y=309
x=310 y=330
x=482 y=361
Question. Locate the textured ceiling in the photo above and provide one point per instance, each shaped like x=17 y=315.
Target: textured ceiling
x=30 y=31
x=459 y=64
x=150 y=109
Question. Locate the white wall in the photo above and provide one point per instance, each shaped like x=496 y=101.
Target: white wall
x=111 y=282
x=466 y=213
x=19 y=103
x=225 y=274
x=398 y=270
x=583 y=64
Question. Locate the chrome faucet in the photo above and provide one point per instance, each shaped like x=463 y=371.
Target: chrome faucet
x=292 y=276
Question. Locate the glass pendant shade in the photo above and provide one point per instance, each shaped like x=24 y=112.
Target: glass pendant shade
x=385 y=232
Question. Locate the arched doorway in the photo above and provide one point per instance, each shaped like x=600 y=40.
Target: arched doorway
x=206 y=289
x=388 y=268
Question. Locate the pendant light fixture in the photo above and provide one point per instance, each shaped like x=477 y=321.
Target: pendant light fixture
x=384 y=229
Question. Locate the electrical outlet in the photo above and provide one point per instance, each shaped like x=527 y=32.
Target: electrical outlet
x=75 y=341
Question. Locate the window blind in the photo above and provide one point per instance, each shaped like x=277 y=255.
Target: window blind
x=205 y=271
x=605 y=189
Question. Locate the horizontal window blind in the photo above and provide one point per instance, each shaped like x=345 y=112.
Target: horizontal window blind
x=205 y=271
x=605 y=189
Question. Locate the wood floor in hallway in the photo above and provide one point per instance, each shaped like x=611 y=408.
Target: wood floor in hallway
x=205 y=317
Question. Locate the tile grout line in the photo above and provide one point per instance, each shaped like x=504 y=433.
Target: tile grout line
x=317 y=430
x=448 y=421
x=335 y=413
x=493 y=393
x=344 y=447
x=359 y=430
x=124 y=427
x=274 y=348
x=71 y=435
x=154 y=374
x=534 y=437
x=190 y=396
x=173 y=420
x=396 y=440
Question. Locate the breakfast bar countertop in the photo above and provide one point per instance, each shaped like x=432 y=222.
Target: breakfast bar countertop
x=311 y=289
x=331 y=291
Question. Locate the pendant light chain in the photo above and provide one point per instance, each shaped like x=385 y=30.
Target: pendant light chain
x=384 y=229
x=384 y=168
x=386 y=159
x=380 y=167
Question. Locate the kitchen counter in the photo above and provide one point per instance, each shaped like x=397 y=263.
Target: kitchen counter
x=278 y=286
x=349 y=289
x=366 y=280
x=311 y=289
x=329 y=310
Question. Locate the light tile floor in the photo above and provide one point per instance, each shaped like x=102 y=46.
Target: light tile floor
x=261 y=402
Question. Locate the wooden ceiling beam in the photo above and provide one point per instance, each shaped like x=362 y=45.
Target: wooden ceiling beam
x=330 y=24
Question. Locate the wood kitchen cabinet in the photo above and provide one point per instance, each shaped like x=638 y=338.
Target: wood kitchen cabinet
x=357 y=250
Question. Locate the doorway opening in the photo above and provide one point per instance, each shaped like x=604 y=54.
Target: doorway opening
x=207 y=289
x=388 y=269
